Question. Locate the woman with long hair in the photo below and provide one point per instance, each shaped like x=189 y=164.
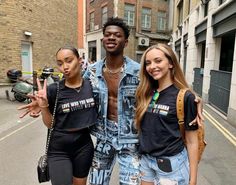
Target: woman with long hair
x=164 y=157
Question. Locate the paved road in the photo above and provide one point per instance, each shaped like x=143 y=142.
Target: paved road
x=22 y=142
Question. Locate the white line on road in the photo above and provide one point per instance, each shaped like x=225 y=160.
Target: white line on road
x=17 y=130
x=222 y=129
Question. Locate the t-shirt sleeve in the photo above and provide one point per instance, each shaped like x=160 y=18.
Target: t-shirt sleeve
x=190 y=111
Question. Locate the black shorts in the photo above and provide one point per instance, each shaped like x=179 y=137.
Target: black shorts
x=70 y=155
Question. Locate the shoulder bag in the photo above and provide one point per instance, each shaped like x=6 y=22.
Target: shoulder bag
x=42 y=168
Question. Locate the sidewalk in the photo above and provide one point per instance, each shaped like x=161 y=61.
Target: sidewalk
x=8 y=110
x=3 y=88
x=219 y=117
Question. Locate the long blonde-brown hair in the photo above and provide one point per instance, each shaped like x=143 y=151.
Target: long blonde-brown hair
x=148 y=84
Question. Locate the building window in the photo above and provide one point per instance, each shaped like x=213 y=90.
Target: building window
x=146 y=18
x=206 y=9
x=129 y=14
x=161 y=21
x=91 y=21
x=104 y=14
x=92 y=51
x=180 y=13
x=221 y=1
x=227 y=52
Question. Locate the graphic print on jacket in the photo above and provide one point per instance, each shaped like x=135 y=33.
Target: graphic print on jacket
x=125 y=100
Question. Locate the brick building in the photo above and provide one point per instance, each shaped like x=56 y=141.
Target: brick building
x=32 y=31
x=148 y=21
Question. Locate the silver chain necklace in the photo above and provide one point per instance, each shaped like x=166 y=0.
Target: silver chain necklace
x=119 y=70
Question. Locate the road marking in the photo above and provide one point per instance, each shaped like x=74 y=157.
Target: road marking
x=17 y=130
x=222 y=129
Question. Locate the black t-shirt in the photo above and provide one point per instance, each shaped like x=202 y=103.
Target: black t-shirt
x=160 y=134
x=75 y=109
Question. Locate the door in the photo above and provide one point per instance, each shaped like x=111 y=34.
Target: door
x=92 y=47
x=26 y=59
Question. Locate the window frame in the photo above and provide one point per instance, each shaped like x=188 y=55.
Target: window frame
x=146 y=18
x=91 y=21
x=161 y=21
x=180 y=12
x=128 y=9
x=104 y=15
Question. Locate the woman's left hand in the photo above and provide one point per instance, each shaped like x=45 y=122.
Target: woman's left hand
x=199 y=119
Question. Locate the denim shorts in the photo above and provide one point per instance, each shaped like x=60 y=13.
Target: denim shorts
x=179 y=175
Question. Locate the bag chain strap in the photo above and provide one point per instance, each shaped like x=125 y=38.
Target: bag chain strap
x=52 y=123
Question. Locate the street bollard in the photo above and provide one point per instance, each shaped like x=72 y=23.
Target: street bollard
x=35 y=88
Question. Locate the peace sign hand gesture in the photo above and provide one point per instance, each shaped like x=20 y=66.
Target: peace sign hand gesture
x=38 y=102
x=41 y=96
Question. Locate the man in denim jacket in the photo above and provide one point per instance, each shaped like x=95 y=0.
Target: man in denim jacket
x=114 y=80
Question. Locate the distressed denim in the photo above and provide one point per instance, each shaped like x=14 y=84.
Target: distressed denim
x=150 y=172
x=105 y=157
x=125 y=100
x=119 y=142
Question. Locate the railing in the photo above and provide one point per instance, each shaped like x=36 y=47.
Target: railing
x=220 y=90
x=198 y=80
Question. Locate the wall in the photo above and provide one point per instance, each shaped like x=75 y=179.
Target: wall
x=52 y=24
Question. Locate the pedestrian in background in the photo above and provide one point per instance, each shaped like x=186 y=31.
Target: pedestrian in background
x=164 y=158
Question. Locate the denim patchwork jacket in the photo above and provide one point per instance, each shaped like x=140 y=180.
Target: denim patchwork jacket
x=125 y=100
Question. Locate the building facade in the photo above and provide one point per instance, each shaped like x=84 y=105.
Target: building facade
x=32 y=31
x=81 y=27
x=204 y=36
x=148 y=22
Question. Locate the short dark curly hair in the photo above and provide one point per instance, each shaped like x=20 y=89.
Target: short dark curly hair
x=115 y=21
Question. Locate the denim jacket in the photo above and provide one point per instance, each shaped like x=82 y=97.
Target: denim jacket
x=125 y=100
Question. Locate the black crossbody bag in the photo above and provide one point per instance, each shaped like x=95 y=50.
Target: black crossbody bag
x=42 y=168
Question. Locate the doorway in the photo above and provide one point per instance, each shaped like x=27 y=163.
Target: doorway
x=26 y=59
x=92 y=49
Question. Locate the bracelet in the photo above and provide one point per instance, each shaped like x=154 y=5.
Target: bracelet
x=44 y=106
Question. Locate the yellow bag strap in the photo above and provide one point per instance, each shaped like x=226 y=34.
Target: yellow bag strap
x=180 y=110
